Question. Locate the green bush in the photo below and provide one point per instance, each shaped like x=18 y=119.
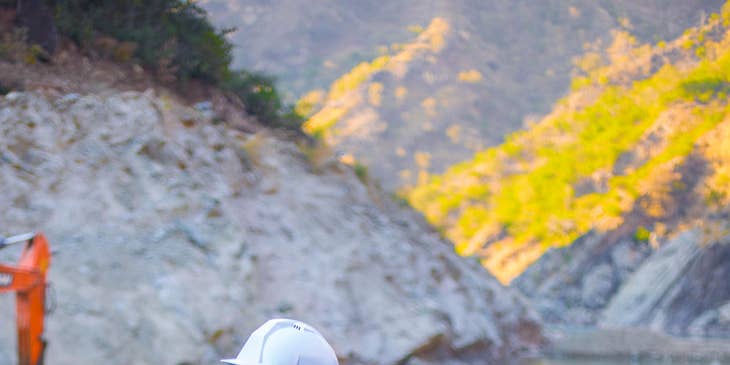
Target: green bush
x=162 y=29
x=706 y=87
x=642 y=234
x=361 y=171
x=173 y=37
x=15 y=48
x=258 y=92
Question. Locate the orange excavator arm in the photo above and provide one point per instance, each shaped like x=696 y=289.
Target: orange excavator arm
x=28 y=280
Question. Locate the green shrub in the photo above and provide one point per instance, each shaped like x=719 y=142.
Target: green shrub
x=161 y=29
x=706 y=87
x=175 y=38
x=14 y=47
x=642 y=234
x=258 y=92
x=361 y=171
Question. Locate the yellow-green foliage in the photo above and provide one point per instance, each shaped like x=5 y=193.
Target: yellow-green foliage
x=642 y=234
x=361 y=171
x=14 y=48
x=345 y=93
x=356 y=77
x=524 y=191
x=338 y=101
x=308 y=103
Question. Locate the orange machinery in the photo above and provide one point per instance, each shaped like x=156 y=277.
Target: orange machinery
x=28 y=280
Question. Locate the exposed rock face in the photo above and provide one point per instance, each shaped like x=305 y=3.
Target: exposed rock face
x=572 y=284
x=173 y=238
x=681 y=288
x=598 y=285
x=699 y=303
x=640 y=295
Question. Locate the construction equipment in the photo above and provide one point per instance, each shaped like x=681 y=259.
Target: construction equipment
x=285 y=342
x=28 y=280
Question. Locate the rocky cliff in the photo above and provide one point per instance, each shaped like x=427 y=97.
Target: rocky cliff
x=173 y=237
x=678 y=287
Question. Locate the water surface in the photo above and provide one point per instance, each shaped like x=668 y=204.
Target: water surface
x=617 y=361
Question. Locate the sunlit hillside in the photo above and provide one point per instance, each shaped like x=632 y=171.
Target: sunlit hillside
x=498 y=63
x=346 y=94
x=643 y=128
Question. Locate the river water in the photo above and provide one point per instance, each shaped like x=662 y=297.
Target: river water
x=603 y=361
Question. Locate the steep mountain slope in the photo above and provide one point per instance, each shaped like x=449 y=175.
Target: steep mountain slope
x=639 y=145
x=498 y=62
x=174 y=237
x=676 y=288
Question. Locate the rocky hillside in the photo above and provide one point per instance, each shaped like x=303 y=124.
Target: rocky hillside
x=492 y=65
x=174 y=236
x=676 y=288
x=639 y=149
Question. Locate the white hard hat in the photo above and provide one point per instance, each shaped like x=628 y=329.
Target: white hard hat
x=285 y=342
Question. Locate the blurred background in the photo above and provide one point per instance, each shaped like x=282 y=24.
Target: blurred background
x=425 y=182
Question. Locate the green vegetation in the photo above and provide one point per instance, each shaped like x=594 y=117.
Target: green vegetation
x=175 y=39
x=339 y=100
x=14 y=48
x=361 y=171
x=258 y=93
x=162 y=30
x=707 y=88
x=642 y=234
x=347 y=92
x=574 y=171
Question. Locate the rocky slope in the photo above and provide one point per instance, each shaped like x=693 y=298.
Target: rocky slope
x=174 y=237
x=497 y=64
x=678 y=288
x=639 y=146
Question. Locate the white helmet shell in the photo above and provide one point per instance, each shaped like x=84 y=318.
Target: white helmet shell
x=285 y=342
